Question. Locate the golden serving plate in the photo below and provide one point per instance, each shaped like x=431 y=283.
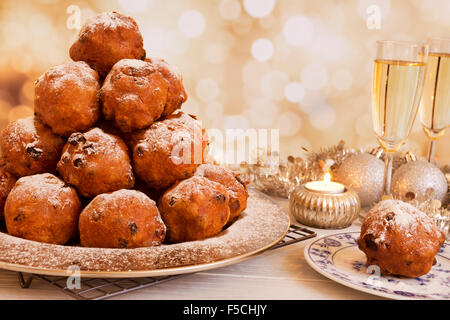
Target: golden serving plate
x=261 y=226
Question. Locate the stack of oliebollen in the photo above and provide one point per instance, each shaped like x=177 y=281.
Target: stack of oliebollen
x=108 y=160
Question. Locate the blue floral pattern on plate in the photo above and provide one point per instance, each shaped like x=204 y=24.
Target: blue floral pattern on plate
x=337 y=257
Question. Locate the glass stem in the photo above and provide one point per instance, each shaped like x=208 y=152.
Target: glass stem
x=431 y=151
x=388 y=173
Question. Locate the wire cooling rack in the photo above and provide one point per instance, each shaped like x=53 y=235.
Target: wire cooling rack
x=100 y=289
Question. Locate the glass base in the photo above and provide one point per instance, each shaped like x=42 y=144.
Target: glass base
x=390 y=147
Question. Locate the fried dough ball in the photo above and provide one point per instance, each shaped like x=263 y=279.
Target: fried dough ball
x=176 y=94
x=400 y=239
x=169 y=150
x=96 y=162
x=194 y=209
x=66 y=98
x=109 y=127
x=237 y=189
x=7 y=182
x=42 y=208
x=29 y=147
x=107 y=38
x=134 y=94
x=121 y=219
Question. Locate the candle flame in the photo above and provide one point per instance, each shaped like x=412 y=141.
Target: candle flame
x=327 y=177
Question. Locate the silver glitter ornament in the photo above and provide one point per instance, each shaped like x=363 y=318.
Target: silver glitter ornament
x=364 y=174
x=419 y=180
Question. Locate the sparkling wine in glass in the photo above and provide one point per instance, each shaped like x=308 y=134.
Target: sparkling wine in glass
x=397 y=88
x=435 y=106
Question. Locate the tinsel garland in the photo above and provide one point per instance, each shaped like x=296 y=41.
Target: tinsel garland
x=437 y=211
x=279 y=180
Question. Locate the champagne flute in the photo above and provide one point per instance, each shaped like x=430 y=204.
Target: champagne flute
x=397 y=88
x=435 y=106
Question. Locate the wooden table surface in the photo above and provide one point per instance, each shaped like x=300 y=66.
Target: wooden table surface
x=275 y=274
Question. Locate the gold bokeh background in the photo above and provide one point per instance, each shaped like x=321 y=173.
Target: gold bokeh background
x=302 y=66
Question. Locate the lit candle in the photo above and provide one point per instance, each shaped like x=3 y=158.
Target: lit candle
x=325 y=186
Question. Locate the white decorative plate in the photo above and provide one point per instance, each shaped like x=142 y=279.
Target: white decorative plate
x=338 y=258
x=263 y=224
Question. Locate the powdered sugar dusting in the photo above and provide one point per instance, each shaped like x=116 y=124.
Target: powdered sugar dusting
x=18 y=131
x=394 y=213
x=116 y=198
x=260 y=225
x=44 y=186
x=107 y=20
x=73 y=73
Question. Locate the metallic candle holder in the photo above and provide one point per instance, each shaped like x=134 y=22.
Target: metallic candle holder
x=326 y=210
